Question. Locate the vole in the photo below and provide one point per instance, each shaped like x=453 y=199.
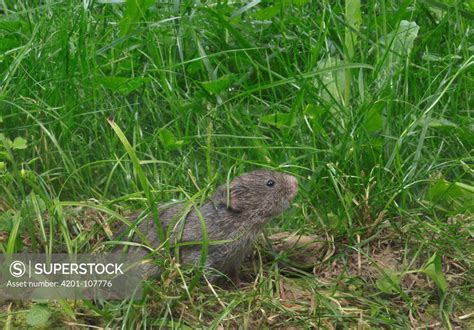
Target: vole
x=235 y=214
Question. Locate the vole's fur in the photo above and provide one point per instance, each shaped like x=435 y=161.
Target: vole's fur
x=235 y=213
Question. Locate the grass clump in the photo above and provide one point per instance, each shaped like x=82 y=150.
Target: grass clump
x=367 y=103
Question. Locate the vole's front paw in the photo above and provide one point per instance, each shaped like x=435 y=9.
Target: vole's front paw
x=235 y=278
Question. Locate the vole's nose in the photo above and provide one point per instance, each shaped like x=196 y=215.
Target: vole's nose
x=293 y=184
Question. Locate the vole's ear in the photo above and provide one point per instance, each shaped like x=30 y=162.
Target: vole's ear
x=222 y=198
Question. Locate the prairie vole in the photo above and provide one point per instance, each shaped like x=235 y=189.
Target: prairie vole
x=235 y=213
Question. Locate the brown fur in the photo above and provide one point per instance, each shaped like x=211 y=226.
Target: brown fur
x=236 y=213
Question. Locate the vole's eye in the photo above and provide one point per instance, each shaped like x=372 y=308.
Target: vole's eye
x=270 y=183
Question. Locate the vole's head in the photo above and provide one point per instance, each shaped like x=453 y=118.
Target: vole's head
x=259 y=195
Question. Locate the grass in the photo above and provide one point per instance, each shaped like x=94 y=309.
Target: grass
x=368 y=104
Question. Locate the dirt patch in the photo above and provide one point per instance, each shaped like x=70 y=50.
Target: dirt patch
x=302 y=251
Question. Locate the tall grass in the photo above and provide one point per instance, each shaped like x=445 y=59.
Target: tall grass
x=367 y=103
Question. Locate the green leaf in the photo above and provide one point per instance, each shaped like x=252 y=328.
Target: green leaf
x=434 y=271
x=300 y=3
x=440 y=123
x=333 y=82
x=438 y=190
x=374 y=121
x=353 y=20
x=395 y=47
x=314 y=112
x=279 y=119
x=442 y=190
x=19 y=143
x=123 y=85
x=15 y=243
x=1 y=119
x=470 y=4
x=7 y=44
x=431 y=57
x=28 y=204
x=400 y=41
x=169 y=140
x=10 y=23
x=38 y=316
x=6 y=220
x=133 y=13
x=225 y=24
x=2 y=166
x=266 y=13
x=194 y=67
x=465 y=186
x=353 y=13
x=216 y=86
x=5 y=155
x=467 y=135
x=390 y=282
